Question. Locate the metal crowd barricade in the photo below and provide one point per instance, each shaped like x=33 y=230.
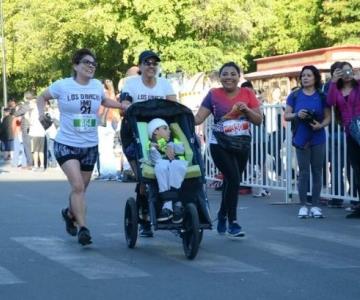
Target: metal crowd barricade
x=272 y=163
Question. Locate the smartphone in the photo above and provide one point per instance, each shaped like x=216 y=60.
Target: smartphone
x=347 y=73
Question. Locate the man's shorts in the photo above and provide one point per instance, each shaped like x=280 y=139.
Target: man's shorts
x=86 y=156
x=38 y=143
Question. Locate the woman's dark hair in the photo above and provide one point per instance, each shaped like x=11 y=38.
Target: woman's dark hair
x=340 y=82
x=247 y=84
x=316 y=74
x=334 y=66
x=79 y=54
x=230 y=64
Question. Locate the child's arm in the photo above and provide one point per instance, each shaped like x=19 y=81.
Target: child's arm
x=154 y=154
x=178 y=147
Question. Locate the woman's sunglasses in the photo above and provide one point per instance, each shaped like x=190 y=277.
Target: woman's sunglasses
x=89 y=63
x=150 y=63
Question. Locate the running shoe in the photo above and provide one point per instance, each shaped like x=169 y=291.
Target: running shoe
x=165 y=215
x=235 y=230
x=316 y=213
x=178 y=214
x=145 y=230
x=69 y=222
x=84 y=236
x=303 y=212
x=355 y=214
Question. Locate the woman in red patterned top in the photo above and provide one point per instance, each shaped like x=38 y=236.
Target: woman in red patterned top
x=233 y=109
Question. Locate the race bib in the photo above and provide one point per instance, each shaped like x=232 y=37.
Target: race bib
x=236 y=127
x=84 y=122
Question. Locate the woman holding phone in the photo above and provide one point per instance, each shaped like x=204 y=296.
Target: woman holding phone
x=344 y=94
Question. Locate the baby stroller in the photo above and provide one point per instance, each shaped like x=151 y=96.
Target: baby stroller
x=192 y=194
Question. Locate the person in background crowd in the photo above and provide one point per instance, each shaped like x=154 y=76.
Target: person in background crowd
x=344 y=94
x=7 y=134
x=37 y=134
x=12 y=104
x=132 y=71
x=76 y=143
x=51 y=132
x=109 y=118
x=259 y=147
x=127 y=173
x=275 y=128
x=336 y=142
x=233 y=108
x=19 y=158
x=24 y=113
x=145 y=87
x=308 y=108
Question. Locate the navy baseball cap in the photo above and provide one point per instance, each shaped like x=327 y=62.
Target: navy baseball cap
x=148 y=54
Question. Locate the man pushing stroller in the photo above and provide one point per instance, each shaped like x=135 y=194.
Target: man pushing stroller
x=167 y=156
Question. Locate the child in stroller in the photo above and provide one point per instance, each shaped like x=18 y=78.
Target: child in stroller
x=189 y=191
x=167 y=155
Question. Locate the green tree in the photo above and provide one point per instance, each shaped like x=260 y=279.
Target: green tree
x=191 y=35
x=285 y=26
x=340 y=21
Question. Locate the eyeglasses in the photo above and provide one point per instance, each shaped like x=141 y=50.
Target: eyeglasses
x=89 y=63
x=150 y=63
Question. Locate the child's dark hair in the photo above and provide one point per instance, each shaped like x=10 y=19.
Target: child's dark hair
x=230 y=64
x=316 y=73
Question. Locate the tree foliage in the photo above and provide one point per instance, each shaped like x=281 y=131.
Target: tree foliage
x=341 y=21
x=191 y=35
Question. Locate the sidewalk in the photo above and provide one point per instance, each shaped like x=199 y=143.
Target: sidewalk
x=9 y=173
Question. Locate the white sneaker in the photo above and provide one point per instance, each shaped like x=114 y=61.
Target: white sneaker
x=303 y=212
x=315 y=212
x=262 y=193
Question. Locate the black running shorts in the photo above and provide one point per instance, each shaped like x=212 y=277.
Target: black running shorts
x=86 y=156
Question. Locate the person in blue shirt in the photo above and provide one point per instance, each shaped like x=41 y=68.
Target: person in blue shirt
x=307 y=108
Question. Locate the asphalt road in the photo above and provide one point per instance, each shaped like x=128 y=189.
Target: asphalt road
x=282 y=257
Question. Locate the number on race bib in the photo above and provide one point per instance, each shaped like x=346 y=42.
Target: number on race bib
x=84 y=123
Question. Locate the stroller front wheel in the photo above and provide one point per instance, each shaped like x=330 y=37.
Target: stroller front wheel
x=131 y=222
x=191 y=232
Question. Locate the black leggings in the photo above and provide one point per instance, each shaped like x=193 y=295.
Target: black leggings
x=232 y=166
x=353 y=150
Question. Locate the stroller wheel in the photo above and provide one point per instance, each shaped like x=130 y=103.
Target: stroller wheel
x=191 y=231
x=131 y=222
x=201 y=234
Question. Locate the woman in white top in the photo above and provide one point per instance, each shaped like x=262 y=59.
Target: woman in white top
x=76 y=143
x=37 y=134
x=145 y=87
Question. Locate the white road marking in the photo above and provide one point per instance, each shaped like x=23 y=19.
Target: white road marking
x=85 y=262
x=317 y=258
x=6 y=277
x=328 y=236
x=205 y=261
